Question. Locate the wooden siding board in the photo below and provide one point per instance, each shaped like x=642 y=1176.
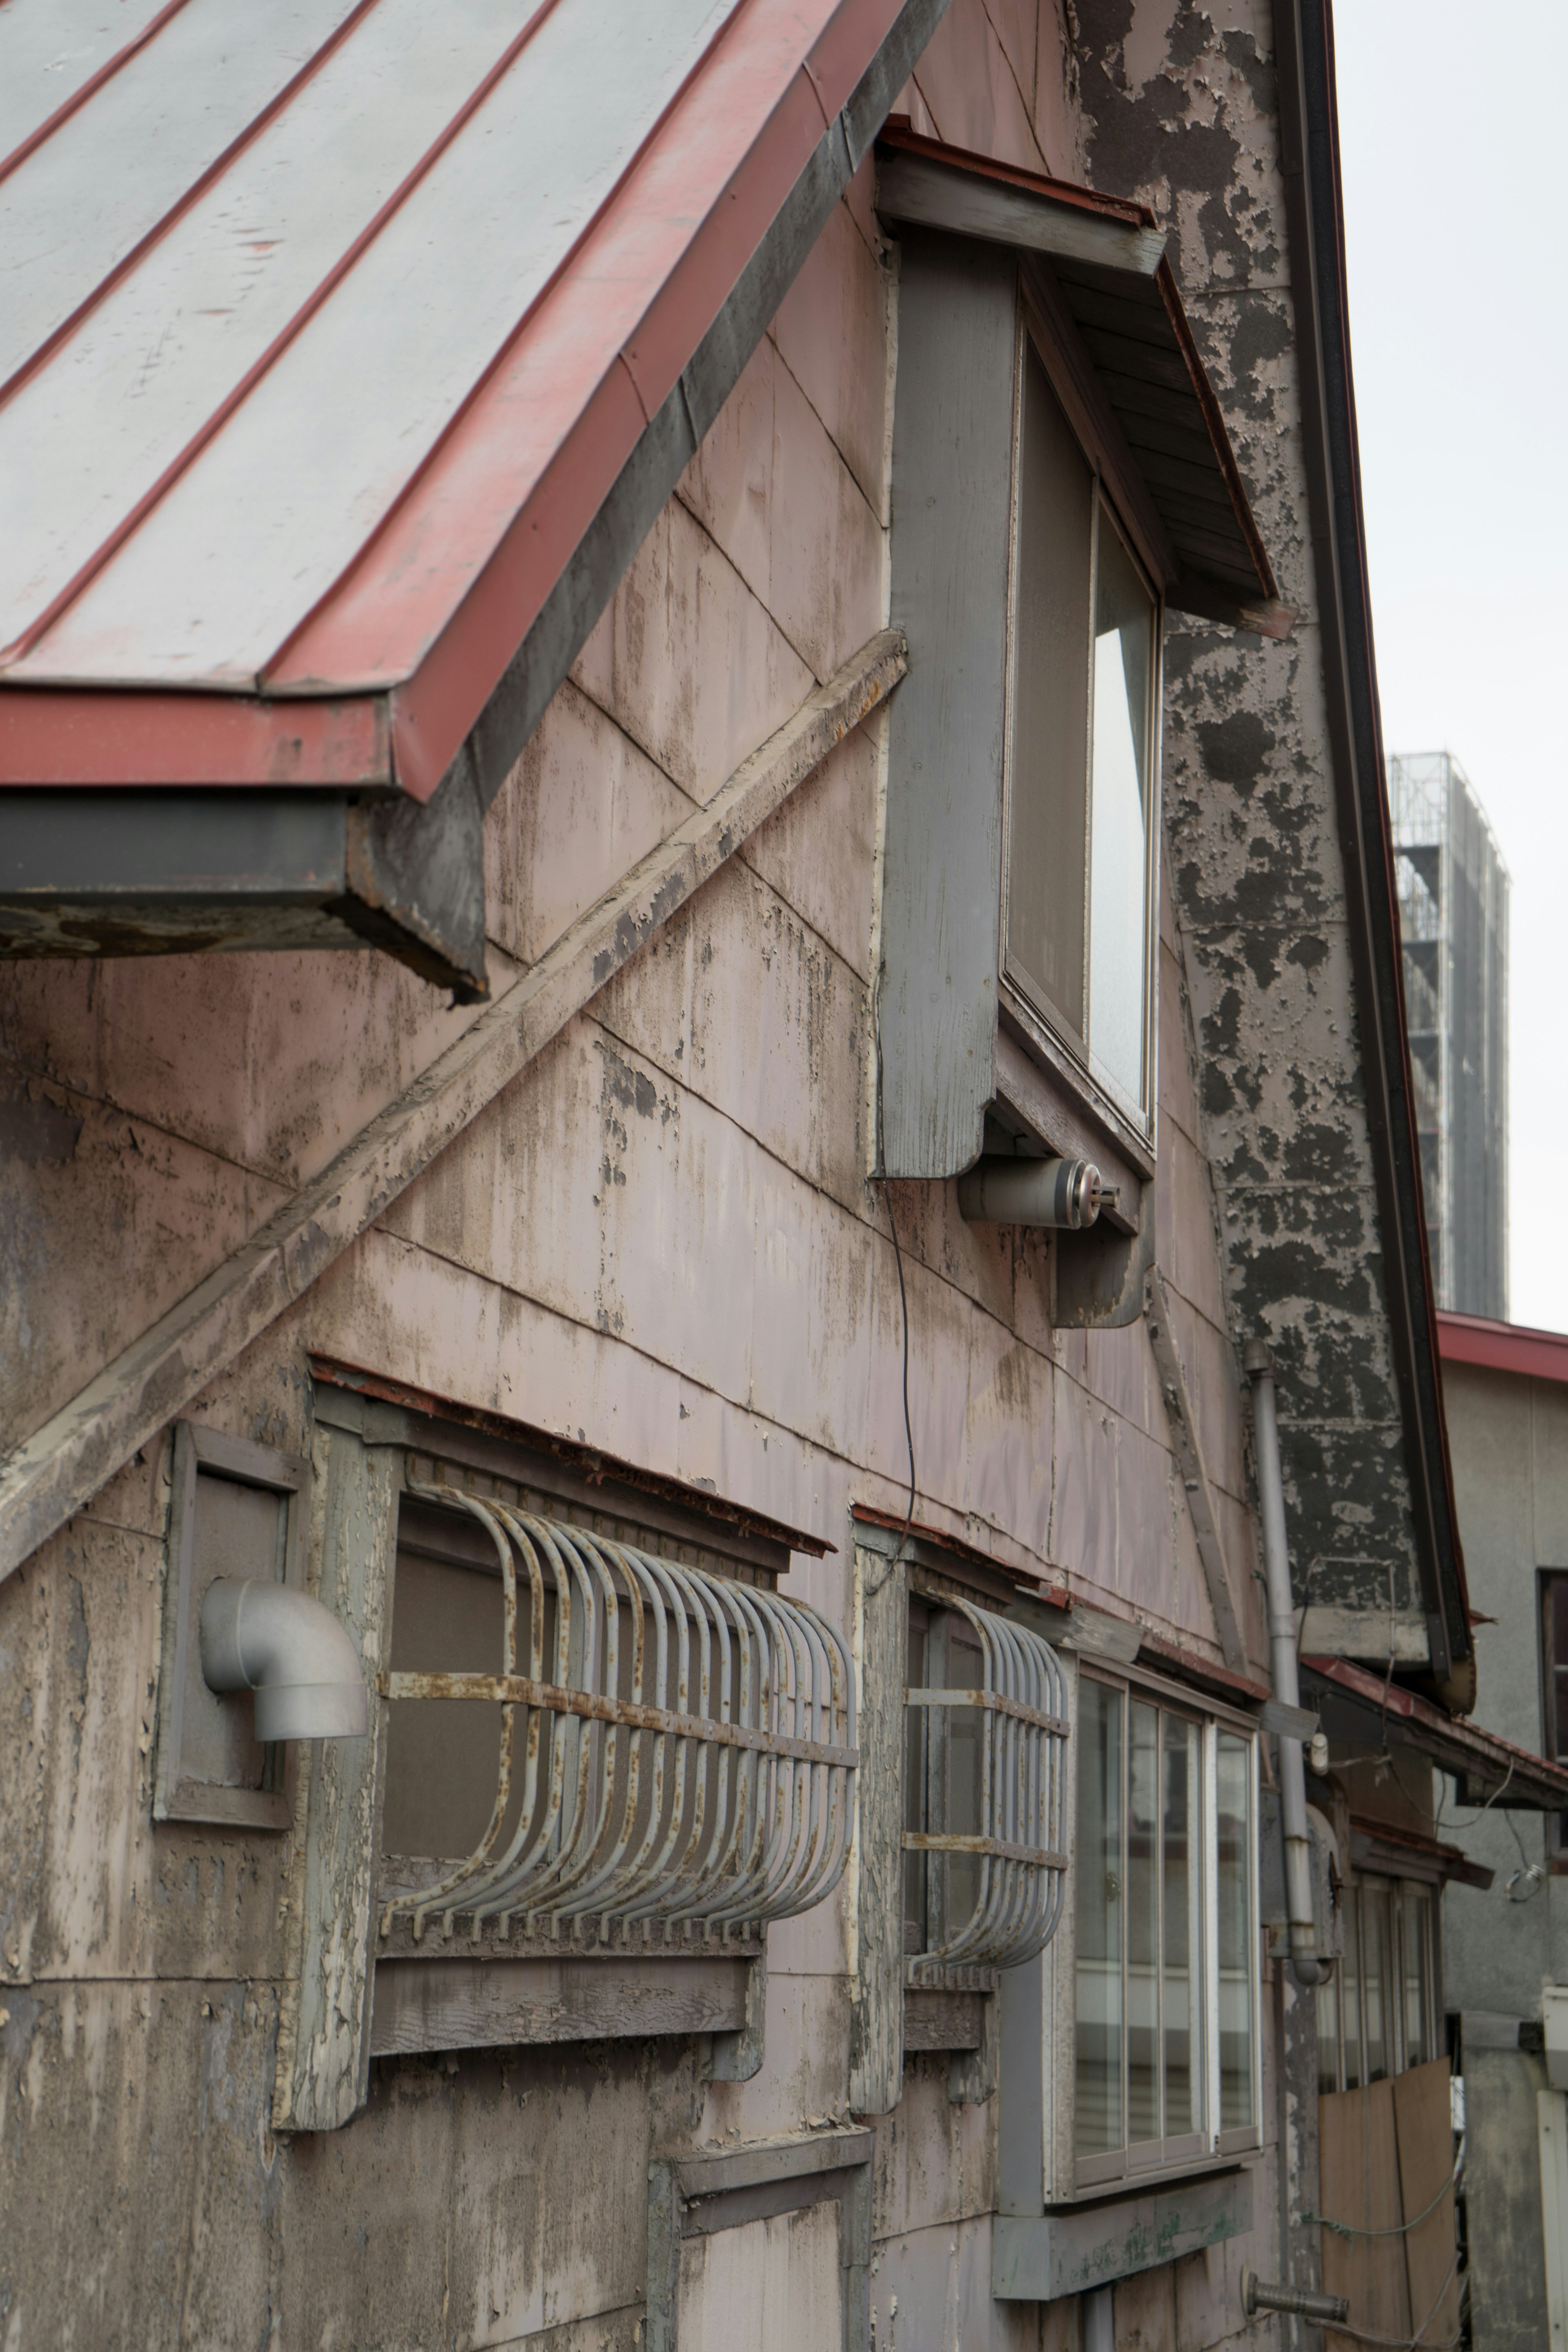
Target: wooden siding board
x=953 y=437
x=1358 y=2170
x=1422 y=2124
x=462 y=2003
x=876 y=1877
x=324 y=2027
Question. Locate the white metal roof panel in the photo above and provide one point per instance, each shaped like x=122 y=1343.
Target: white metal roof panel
x=323 y=419
x=86 y=196
x=50 y=51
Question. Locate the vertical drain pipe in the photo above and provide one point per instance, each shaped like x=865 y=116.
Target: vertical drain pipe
x=1309 y=1968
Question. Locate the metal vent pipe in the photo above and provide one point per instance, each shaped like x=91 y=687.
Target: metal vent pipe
x=298 y=1658
x=1310 y=1969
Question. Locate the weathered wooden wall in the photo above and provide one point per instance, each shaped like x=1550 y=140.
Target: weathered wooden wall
x=660 y=1238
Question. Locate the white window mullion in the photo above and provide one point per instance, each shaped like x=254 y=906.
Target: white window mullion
x=1210 y=1819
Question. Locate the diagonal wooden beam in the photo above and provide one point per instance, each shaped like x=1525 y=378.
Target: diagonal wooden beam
x=65 y=1462
x=1190 y=1461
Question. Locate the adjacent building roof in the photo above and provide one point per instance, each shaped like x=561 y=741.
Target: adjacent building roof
x=1503 y=1347
x=1364 y=1707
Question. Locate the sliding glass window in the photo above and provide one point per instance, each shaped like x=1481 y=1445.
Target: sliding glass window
x=1166 y=1941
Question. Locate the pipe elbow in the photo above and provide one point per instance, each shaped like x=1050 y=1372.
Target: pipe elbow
x=298 y=1659
x=1307 y=1964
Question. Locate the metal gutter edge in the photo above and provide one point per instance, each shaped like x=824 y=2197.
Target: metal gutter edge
x=65 y=1462
x=1310 y=161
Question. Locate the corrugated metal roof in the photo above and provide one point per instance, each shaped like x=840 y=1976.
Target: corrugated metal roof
x=329 y=328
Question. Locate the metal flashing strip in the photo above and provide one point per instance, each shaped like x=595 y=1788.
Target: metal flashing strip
x=61 y=1465
x=748 y=1807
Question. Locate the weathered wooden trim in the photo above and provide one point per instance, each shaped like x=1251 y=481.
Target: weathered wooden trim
x=736 y=2057
x=64 y=1462
x=1194 y=1475
x=699 y=2191
x=973 y=2076
x=944 y=2020
x=933 y=195
x=1035 y=2260
x=324 y=2020
x=881 y=1619
x=464 y=2002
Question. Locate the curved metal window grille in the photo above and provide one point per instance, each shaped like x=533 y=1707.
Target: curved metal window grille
x=717 y=1791
x=1023 y=1732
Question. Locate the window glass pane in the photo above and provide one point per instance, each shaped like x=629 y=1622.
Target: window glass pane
x=1418 y=1913
x=1181 y=1944
x=1350 y=1988
x=1236 y=2021
x=1123 y=671
x=1098 y=2076
x=1143 y=1923
x=1377 y=1975
x=1047 y=867
x=1329 y=2034
x=442 y=1754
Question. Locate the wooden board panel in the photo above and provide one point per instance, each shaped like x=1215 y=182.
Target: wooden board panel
x=941 y=879
x=944 y=2020
x=1423 y=2123
x=324 y=2033
x=468 y=2004
x=877 y=1859
x=1357 y=2171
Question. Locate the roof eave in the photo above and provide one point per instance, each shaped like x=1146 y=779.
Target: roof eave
x=1310 y=161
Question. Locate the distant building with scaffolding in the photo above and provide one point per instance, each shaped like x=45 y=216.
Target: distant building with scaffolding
x=1453 y=909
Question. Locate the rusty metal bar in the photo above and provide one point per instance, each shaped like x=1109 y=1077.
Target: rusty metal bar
x=1020 y=1847
x=684 y=1751
x=997 y=1702
x=928 y=1842
x=517 y=1690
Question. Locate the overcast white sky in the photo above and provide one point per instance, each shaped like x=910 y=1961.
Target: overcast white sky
x=1450 y=117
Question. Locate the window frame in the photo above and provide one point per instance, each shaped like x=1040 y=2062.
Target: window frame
x=1070 y=2175
x=1048 y=1037
x=1399 y=1889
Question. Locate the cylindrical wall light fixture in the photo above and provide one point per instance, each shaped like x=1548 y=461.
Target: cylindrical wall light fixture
x=1001 y=1190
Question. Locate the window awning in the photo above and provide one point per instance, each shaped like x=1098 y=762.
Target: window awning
x=1355 y=1704
x=350 y=349
x=1107 y=264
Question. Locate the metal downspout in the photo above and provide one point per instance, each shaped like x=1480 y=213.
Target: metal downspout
x=1310 y=1969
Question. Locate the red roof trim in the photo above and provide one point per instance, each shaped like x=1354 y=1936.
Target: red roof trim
x=896 y=133
x=1503 y=1347
x=1463 y=1739
x=60 y=735
x=894 y=1523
